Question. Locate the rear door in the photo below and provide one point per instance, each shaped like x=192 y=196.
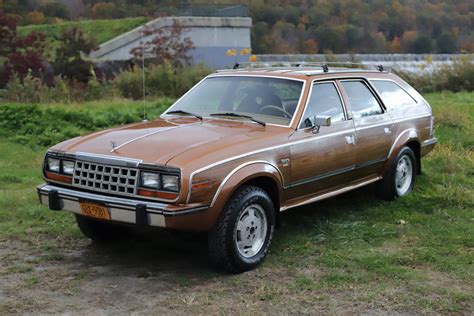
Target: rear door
x=373 y=126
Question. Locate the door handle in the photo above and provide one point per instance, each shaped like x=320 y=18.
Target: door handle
x=350 y=139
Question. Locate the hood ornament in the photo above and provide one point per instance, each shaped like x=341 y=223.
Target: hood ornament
x=113 y=145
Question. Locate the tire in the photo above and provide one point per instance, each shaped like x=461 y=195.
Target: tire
x=241 y=238
x=393 y=185
x=100 y=231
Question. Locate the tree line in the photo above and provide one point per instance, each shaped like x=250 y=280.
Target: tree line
x=305 y=26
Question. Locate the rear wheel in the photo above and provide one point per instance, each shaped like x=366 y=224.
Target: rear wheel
x=242 y=235
x=399 y=179
x=100 y=231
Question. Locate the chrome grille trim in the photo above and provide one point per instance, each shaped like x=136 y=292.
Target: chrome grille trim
x=105 y=178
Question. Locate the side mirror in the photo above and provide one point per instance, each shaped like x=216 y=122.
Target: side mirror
x=320 y=120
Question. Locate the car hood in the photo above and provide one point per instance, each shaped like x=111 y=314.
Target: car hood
x=180 y=140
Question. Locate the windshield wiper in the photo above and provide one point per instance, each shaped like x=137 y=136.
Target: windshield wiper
x=239 y=115
x=184 y=112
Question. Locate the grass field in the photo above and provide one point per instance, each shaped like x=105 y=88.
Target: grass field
x=350 y=254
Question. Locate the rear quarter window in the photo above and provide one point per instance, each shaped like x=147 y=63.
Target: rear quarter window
x=392 y=94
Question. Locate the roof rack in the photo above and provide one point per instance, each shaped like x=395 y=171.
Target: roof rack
x=300 y=64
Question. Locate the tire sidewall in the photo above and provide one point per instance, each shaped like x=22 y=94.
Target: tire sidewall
x=253 y=197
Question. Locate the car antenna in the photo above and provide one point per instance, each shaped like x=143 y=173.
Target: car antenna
x=143 y=75
x=236 y=65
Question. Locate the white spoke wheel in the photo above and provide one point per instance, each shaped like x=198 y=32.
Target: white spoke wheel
x=403 y=175
x=241 y=237
x=399 y=178
x=251 y=230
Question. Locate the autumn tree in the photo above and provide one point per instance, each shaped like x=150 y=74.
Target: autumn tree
x=445 y=44
x=19 y=54
x=164 y=44
x=69 y=62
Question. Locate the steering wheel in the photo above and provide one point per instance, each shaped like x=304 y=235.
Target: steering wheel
x=274 y=107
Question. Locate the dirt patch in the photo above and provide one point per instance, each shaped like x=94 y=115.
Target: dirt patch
x=166 y=273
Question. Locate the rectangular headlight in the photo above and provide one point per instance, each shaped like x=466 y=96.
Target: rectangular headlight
x=53 y=165
x=150 y=180
x=68 y=167
x=170 y=183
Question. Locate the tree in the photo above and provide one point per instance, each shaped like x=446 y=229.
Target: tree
x=20 y=54
x=35 y=17
x=310 y=46
x=422 y=44
x=55 y=10
x=445 y=44
x=396 y=45
x=261 y=42
x=69 y=62
x=166 y=44
x=104 y=10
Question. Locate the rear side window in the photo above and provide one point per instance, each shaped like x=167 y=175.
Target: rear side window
x=362 y=101
x=392 y=95
x=324 y=100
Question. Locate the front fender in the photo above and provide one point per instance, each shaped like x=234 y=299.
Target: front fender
x=242 y=174
x=204 y=221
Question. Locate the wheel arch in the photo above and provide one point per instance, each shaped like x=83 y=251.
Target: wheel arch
x=409 y=138
x=261 y=174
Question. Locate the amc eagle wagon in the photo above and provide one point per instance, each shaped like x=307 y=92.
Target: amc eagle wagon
x=238 y=149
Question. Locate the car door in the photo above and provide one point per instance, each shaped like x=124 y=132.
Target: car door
x=325 y=159
x=373 y=126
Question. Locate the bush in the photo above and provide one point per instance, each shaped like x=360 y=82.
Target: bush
x=32 y=90
x=160 y=80
x=459 y=76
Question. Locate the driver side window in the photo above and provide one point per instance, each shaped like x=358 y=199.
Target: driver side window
x=324 y=100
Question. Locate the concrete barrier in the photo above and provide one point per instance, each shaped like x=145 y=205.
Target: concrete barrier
x=212 y=37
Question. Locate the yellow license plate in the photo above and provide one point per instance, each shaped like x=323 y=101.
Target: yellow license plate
x=94 y=210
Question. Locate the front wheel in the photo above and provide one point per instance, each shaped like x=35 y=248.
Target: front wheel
x=399 y=179
x=242 y=235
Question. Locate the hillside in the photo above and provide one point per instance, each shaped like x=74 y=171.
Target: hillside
x=101 y=30
x=312 y=26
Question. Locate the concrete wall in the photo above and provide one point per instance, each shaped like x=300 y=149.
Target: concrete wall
x=212 y=37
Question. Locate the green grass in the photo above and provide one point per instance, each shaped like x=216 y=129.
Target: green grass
x=101 y=30
x=415 y=254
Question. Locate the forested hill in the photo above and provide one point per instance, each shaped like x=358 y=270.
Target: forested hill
x=305 y=26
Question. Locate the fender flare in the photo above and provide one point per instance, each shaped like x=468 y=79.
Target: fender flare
x=244 y=173
x=403 y=138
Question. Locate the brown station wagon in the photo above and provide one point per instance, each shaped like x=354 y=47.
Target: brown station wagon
x=240 y=147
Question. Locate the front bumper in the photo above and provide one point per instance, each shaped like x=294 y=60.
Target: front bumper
x=125 y=210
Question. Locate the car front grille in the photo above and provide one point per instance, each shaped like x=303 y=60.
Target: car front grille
x=105 y=178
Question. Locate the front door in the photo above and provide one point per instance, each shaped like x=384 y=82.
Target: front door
x=373 y=127
x=323 y=160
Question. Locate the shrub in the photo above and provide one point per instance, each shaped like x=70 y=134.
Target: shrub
x=32 y=90
x=160 y=80
x=27 y=90
x=456 y=77
x=129 y=83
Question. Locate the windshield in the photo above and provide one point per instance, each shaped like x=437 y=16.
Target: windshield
x=270 y=100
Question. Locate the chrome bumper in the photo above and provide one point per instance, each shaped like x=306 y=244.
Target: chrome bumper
x=123 y=210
